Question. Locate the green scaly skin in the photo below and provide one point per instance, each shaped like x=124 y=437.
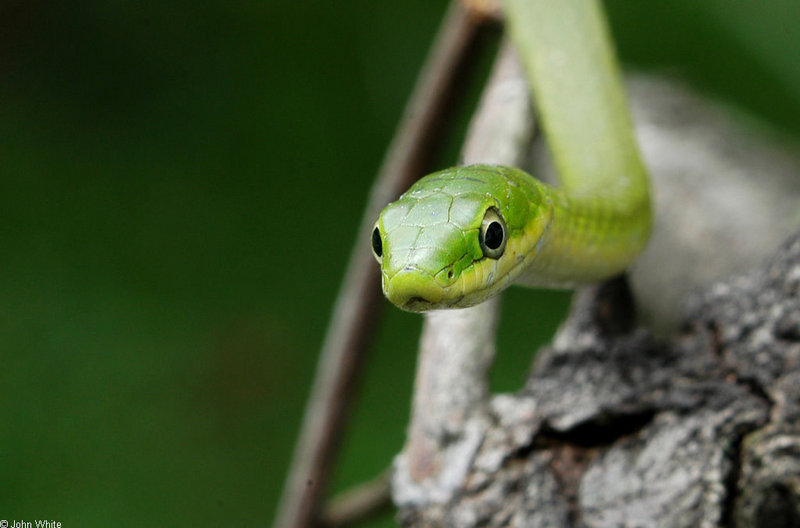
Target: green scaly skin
x=429 y=242
x=432 y=256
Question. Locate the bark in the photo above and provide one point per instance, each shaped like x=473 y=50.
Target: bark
x=618 y=428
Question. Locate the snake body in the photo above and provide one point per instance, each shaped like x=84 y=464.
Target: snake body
x=461 y=235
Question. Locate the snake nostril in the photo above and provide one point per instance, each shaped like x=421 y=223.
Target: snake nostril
x=451 y=274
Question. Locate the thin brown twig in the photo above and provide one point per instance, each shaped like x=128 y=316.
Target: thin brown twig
x=417 y=140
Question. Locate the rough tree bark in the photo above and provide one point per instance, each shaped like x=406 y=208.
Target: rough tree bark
x=616 y=427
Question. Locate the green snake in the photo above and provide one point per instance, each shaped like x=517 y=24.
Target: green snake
x=461 y=235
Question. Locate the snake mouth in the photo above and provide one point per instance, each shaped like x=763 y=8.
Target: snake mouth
x=413 y=290
x=421 y=304
x=456 y=303
x=417 y=304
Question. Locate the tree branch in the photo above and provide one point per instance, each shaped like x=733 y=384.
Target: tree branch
x=355 y=312
x=457 y=346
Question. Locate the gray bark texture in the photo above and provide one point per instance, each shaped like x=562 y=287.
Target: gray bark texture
x=618 y=428
x=688 y=421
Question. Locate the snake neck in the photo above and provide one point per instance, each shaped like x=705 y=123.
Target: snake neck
x=587 y=239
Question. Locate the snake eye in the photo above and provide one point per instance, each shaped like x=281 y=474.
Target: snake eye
x=493 y=234
x=377 y=244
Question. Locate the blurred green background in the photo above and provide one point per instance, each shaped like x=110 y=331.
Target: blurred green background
x=180 y=183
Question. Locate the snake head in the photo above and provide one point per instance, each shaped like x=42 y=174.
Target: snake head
x=454 y=239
